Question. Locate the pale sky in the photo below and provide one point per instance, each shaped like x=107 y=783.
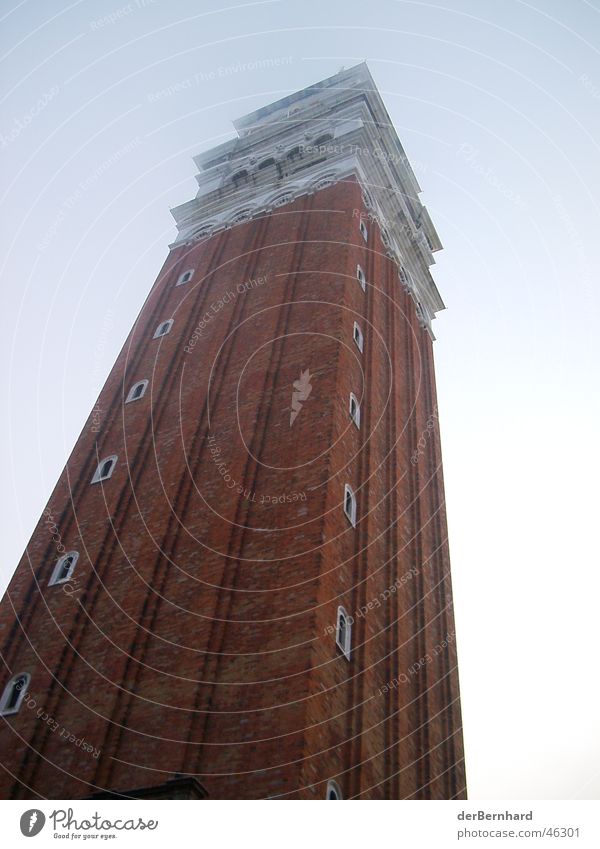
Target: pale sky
x=498 y=107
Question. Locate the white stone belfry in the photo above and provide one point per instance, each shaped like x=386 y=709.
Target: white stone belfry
x=325 y=133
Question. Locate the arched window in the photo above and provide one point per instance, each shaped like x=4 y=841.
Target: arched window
x=201 y=232
x=163 y=328
x=13 y=693
x=324 y=182
x=280 y=200
x=64 y=568
x=137 y=391
x=238 y=176
x=333 y=791
x=354 y=409
x=368 y=200
x=266 y=163
x=343 y=632
x=360 y=276
x=350 y=504
x=185 y=277
x=363 y=229
x=242 y=215
x=105 y=469
x=294 y=153
x=326 y=137
x=358 y=336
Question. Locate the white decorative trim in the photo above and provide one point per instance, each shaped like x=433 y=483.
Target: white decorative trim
x=241 y=215
x=229 y=215
x=405 y=279
x=367 y=199
x=205 y=229
x=281 y=200
x=324 y=182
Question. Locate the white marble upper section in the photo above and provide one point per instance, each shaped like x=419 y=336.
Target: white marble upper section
x=304 y=142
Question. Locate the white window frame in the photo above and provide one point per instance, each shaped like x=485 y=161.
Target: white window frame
x=343 y=639
x=168 y=324
x=333 y=791
x=363 y=229
x=358 y=337
x=354 y=414
x=351 y=516
x=185 y=277
x=131 y=396
x=360 y=276
x=97 y=476
x=8 y=690
x=54 y=578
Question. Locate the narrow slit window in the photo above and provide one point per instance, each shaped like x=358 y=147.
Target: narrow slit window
x=64 y=568
x=363 y=230
x=354 y=409
x=137 y=391
x=185 y=277
x=343 y=632
x=105 y=469
x=13 y=693
x=333 y=791
x=360 y=276
x=358 y=336
x=163 y=328
x=350 y=504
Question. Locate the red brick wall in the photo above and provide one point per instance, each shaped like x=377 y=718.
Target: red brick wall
x=197 y=638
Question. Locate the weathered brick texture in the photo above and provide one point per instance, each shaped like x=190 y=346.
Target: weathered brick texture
x=196 y=636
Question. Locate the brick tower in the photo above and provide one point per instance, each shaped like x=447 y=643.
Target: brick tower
x=240 y=587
